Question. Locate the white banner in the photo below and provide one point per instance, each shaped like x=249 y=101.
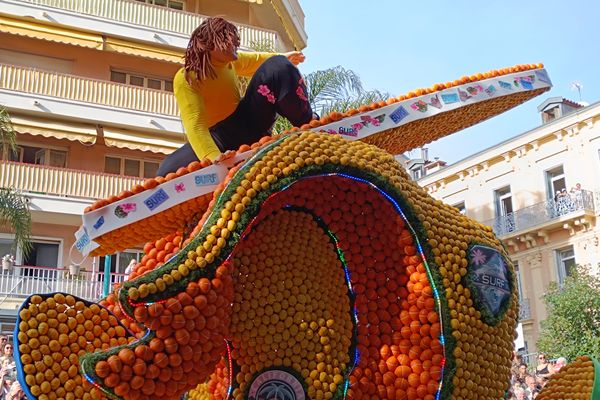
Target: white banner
x=169 y=194
x=403 y=112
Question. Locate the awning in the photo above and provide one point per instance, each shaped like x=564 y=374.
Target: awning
x=39 y=30
x=164 y=143
x=54 y=129
x=143 y=50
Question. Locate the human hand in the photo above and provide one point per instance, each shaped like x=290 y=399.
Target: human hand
x=295 y=57
x=224 y=156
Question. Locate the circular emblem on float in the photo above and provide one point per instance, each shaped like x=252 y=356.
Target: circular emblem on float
x=276 y=384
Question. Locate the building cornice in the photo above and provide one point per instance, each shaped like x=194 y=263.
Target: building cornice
x=519 y=146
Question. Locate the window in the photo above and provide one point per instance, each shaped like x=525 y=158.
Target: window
x=119 y=261
x=555 y=182
x=518 y=279
x=174 y=4
x=461 y=207
x=6 y=247
x=503 y=201
x=44 y=254
x=565 y=259
x=130 y=78
x=551 y=114
x=39 y=155
x=505 y=219
x=416 y=172
x=130 y=167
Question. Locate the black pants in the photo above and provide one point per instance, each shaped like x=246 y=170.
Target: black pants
x=276 y=88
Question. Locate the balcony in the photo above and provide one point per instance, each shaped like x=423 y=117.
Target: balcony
x=86 y=90
x=524 y=310
x=545 y=214
x=159 y=19
x=23 y=281
x=63 y=181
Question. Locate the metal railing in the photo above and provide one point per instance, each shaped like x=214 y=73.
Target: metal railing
x=155 y=17
x=524 y=310
x=541 y=213
x=23 y=281
x=63 y=181
x=77 y=88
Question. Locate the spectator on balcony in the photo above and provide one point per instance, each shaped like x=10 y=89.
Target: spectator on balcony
x=215 y=118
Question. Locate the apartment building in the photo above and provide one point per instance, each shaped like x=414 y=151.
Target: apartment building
x=539 y=192
x=88 y=84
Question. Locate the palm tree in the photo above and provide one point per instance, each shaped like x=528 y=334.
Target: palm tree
x=334 y=89
x=14 y=212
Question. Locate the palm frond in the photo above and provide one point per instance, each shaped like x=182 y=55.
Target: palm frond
x=332 y=84
x=8 y=136
x=15 y=215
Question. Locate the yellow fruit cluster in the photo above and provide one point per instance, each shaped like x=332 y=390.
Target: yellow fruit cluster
x=53 y=333
x=573 y=381
x=291 y=307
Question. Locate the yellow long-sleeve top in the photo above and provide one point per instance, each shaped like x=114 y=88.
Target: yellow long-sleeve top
x=204 y=103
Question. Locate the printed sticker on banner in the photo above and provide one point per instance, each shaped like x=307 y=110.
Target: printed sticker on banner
x=399 y=114
x=83 y=243
x=490 y=90
x=543 y=76
x=180 y=187
x=464 y=96
x=526 y=82
x=435 y=102
x=450 y=98
x=342 y=130
x=474 y=90
x=156 y=199
x=419 y=106
x=124 y=209
x=99 y=223
x=505 y=85
x=206 y=179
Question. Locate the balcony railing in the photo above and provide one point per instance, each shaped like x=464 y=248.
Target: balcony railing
x=63 y=181
x=23 y=281
x=524 y=310
x=542 y=213
x=155 y=17
x=77 y=88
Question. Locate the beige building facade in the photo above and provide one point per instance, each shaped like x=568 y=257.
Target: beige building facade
x=88 y=85
x=538 y=191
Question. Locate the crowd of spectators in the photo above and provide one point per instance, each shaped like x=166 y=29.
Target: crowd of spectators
x=10 y=389
x=526 y=382
x=566 y=202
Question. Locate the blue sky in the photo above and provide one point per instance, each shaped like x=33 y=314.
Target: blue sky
x=397 y=46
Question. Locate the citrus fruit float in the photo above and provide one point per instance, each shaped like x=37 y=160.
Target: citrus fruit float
x=577 y=380
x=308 y=266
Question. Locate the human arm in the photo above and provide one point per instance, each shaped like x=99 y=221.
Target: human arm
x=193 y=117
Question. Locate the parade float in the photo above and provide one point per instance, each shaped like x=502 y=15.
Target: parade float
x=577 y=380
x=309 y=266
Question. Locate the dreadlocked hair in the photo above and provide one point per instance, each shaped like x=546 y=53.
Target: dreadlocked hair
x=214 y=33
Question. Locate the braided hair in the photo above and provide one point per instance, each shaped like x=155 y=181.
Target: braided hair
x=214 y=33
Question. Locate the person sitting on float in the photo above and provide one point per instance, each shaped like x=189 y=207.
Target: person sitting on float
x=216 y=119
